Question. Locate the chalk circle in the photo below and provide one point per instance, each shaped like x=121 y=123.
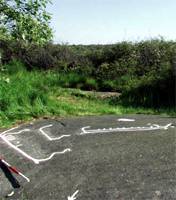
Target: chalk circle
x=10 y=137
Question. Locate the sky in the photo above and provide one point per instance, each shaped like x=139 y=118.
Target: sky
x=112 y=21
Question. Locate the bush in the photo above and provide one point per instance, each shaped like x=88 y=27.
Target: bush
x=38 y=58
x=127 y=67
x=90 y=84
x=14 y=66
x=152 y=91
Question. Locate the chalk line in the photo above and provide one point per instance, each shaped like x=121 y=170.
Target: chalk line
x=73 y=197
x=7 y=133
x=53 y=154
x=16 y=133
x=48 y=137
x=123 y=129
x=8 y=130
x=125 y=120
x=19 y=150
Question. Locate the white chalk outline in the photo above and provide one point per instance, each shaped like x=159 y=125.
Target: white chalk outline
x=35 y=160
x=123 y=129
x=73 y=197
x=125 y=120
x=48 y=137
x=15 y=133
x=11 y=194
x=84 y=132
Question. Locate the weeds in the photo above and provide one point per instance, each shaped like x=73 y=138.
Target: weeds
x=36 y=94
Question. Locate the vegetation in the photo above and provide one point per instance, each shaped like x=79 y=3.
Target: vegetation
x=143 y=72
x=32 y=94
x=35 y=79
x=25 y=21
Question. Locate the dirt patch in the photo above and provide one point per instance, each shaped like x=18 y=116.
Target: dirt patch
x=101 y=95
x=105 y=95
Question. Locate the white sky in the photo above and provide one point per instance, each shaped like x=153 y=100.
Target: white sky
x=110 y=21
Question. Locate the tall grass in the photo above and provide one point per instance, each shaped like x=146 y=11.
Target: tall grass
x=25 y=95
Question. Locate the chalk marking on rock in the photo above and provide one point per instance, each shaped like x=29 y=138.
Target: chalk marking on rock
x=16 y=133
x=10 y=194
x=73 y=197
x=8 y=130
x=53 y=154
x=125 y=120
x=48 y=137
x=10 y=137
x=123 y=129
x=4 y=136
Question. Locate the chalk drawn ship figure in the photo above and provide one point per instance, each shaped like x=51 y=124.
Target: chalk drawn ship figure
x=7 y=136
x=87 y=130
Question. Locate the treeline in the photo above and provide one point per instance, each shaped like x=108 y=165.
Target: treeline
x=143 y=72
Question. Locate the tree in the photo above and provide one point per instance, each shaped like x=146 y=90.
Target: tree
x=25 y=20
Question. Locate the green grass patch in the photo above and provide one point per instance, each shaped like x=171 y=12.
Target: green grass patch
x=25 y=95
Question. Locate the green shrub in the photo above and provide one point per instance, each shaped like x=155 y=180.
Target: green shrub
x=14 y=66
x=90 y=84
x=151 y=91
x=123 y=67
x=108 y=85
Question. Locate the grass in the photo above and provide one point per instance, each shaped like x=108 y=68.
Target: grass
x=26 y=95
